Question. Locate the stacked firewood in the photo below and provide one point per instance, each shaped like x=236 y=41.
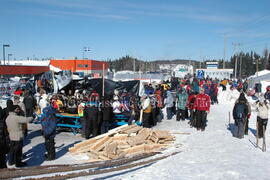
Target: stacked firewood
x=124 y=141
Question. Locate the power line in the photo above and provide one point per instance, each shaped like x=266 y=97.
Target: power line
x=253 y=23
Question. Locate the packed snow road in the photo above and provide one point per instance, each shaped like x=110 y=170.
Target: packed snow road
x=211 y=154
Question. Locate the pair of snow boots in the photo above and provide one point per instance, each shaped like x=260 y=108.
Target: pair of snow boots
x=49 y=145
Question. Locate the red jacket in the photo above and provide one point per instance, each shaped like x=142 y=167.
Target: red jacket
x=202 y=102
x=191 y=101
x=216 y=90
x=158 y=95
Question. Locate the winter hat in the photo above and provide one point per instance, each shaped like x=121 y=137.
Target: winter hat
x=242 y=97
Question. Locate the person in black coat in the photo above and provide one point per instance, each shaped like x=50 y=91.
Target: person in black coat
x=30 y=103
x=107 y=116
x=91 y=116
x=3 y=140
x=240 y=115
x=7 y=109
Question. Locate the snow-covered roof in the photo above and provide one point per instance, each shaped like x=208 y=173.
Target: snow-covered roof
x=139 y=76
x=29 y=63
x=125 y=72
x=260 y=73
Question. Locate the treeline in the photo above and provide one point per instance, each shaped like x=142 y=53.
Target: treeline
x=246 y=63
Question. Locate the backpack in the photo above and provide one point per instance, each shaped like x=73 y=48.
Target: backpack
x=240 y=111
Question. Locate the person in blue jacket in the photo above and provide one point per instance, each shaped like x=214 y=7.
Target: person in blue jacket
x=48 y=123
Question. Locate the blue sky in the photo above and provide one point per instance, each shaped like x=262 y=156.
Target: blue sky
x=147 y=30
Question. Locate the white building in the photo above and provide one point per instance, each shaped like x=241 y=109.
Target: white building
x=177 y=70
x=212 y=71
x=181 y=70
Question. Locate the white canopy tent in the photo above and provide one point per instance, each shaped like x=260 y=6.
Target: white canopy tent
x=262 y=77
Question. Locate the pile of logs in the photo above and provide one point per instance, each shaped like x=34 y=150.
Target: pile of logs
x=124 y=141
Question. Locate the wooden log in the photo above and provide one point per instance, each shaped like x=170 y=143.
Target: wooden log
x=123 y=145
x=136 y=140
x=161 y=134
x=100 y=143
x=135 y=129
x=123 y=130
x=111 y=132
x=120 y=137
x=184 y=133
x=82 y=144
x=118 y=128
x=122 y=154
x=135 y=149
x=111 y=148
x=104 y=144
x=101 y=156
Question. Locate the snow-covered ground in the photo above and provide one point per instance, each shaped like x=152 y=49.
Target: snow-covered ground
x=211 y=154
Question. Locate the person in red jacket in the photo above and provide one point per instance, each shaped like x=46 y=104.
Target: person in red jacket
x=202 y=105
x=190 y=105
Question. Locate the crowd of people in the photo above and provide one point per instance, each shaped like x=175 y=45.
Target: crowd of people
x=187 y=98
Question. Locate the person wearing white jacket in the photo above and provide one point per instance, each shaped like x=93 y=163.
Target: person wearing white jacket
x=147 y=109
x=262 y=116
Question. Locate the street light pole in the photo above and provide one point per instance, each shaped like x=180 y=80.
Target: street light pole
x=85 y=49
x=4 y=55
x=8 y=57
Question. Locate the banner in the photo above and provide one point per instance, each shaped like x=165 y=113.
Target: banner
x=63 y=78
x=133 y=87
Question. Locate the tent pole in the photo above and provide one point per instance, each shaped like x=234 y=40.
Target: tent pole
x=103 y=79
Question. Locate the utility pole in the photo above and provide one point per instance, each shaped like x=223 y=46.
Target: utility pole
x=257 y=66
x=224 y=58
x=236 y=50
x=200 y=59
x=134 y=69
x=240 y=73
